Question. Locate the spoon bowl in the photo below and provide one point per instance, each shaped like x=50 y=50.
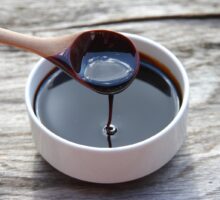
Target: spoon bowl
x=102 y=60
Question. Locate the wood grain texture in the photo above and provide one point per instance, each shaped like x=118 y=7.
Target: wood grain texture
x=192 y=174
x=37 y=16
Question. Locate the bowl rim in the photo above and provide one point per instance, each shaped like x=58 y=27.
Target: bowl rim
x=179 y=115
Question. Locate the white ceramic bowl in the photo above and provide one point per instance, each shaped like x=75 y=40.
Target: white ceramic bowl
x=120 y=164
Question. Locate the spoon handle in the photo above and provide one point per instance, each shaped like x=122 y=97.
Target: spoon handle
x=26 y=42
x=42 y=46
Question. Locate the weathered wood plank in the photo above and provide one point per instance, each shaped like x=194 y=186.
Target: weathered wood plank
x=192 y=174
x=32 y=15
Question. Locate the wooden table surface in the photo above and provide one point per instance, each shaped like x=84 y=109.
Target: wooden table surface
x=190 y=28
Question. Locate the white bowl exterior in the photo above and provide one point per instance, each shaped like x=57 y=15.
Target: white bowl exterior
x=121 y=164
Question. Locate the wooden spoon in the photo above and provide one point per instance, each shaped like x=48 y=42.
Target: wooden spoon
x=104 y=61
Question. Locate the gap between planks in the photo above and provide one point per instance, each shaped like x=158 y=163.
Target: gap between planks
x=140 y=19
